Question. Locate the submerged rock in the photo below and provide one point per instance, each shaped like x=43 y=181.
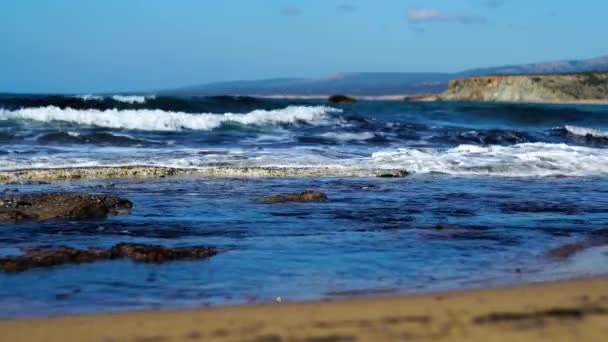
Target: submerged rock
x=341 y=99
x=306 y=196
x=597 y=239
x=449 y=227
x=154 y=253
x=48 y=257
x=48 y=206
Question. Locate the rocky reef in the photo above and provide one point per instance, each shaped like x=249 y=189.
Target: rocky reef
x=305 y=196
x=71 y=206
x=559 y=88
x=48 y=257
x=60 y=174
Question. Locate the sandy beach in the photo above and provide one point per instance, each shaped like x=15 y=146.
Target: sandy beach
x=557 y=311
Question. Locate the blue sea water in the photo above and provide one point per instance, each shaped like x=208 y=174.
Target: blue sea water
x=518 y=179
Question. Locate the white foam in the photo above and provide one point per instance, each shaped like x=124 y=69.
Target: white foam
x=89 y=97
x=346 y=136
x=158 y=120
x=132 y=99
x=584 y=131
x=521 y=160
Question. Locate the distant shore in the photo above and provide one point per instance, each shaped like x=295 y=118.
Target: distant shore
x=555 y=311
x=425 y=98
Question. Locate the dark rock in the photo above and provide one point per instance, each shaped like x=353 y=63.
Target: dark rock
x=152 y=253
x=597 y=238
x=392 y=173
x=48 y=257
x=448 y=227
x=306 y=196
x=341 y=99
x=39 y=257
x=47 y=206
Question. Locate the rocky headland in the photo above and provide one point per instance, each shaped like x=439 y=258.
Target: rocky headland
x=590 y=87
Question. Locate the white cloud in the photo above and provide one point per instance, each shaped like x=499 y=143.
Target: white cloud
x=425 y=15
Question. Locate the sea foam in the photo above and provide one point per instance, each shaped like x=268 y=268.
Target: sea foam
x=520 y=160
x=585 y=132
x=159 y=120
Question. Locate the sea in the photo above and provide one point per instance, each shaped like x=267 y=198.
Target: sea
x=512 y=181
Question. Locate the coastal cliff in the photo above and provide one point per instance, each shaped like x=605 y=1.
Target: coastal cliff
x=579 y=87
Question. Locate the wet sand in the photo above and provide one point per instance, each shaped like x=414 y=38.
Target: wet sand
x=557 y=311
x=47 y=175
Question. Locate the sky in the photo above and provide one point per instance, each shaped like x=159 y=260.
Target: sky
x=77 y=46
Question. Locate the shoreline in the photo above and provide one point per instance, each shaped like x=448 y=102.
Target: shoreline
x=142 y=171
x=560 y=311
x=427 y=98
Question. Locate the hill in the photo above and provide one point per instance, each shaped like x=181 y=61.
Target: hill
x=376 y=83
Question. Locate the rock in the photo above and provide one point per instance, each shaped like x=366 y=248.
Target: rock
x=341 y=99
x=597 y=238
x=35 y=258
x=306 y=196
x=448 y=227
x=392 y=173
x=152 y=253
x=72 y=206
x=48 y=257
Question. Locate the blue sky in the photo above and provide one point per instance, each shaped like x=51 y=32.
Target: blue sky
x=118 y=45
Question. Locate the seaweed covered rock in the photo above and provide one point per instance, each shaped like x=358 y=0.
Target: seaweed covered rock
x=155 y=253
x=72 y=206
x=48 y=257
x=306 y=196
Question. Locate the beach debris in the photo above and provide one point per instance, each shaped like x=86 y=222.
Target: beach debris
x=305 y=196
x=72 y=206
x=48 y=257
x=341 y=99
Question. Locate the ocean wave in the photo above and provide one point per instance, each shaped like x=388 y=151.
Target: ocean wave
x=133 y=99
x=348 y=136
x=520 y=160
x=158 y=120
x=130 y=99
x=104 y=138
x=584 y=131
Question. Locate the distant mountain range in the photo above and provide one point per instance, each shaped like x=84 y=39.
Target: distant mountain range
x=380 y=83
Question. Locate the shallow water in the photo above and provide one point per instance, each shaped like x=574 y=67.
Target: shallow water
x=518 y=179
x=373 y=234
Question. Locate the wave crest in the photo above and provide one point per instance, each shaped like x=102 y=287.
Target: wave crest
x=585 y=132
x=158 y=120
x=520 y=160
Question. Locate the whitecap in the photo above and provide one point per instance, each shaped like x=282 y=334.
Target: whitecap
x=585 y=132
x=159 y=120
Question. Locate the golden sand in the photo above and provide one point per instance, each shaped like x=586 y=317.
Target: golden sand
x=560 y=311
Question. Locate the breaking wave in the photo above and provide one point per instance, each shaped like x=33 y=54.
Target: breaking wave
x=520 y=160
x=130 y=99
x=159 y=120
x=585 y=132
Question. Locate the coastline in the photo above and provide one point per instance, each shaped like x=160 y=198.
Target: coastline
x=559 y=311
x=427 y=98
